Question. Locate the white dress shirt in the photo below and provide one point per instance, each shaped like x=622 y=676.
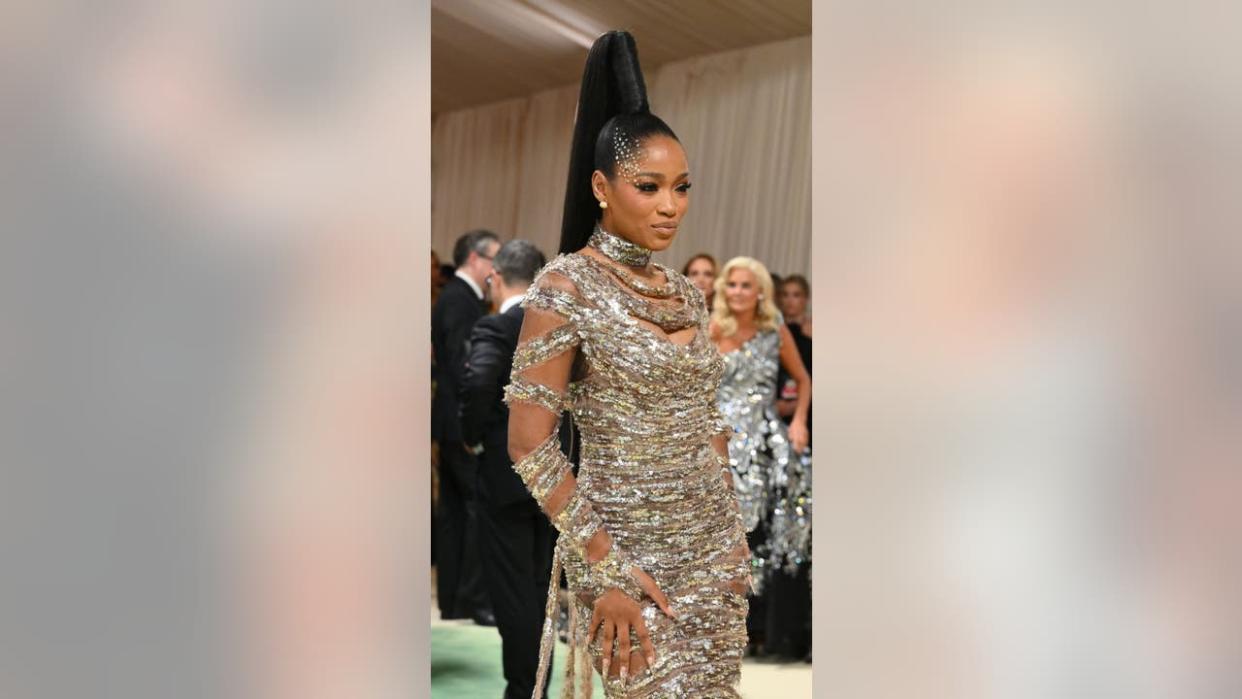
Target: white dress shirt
x=511 y=302
x=466 y=277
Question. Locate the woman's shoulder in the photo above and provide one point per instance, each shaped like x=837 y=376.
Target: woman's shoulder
x=563 y=262
x=562 y=272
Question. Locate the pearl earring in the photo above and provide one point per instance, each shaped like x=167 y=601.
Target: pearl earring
x=603 y=204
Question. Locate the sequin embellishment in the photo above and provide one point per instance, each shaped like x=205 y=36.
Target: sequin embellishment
x=646 y=408
x=617 y=248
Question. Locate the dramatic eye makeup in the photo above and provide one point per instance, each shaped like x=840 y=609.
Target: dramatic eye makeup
x=650 y=187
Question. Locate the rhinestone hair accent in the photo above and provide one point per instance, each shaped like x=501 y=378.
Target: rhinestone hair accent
x=628 y=152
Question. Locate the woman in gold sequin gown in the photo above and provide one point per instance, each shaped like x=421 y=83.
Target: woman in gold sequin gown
x=651 y=540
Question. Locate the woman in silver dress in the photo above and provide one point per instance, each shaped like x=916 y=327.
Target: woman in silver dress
x=651 y=538
x=770 y=463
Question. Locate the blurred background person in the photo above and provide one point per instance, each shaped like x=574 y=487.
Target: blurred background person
x=459 y=585
x=770 y=463
x=517 y=538
x=789 y=619
x=446 y=273
x=701 y=270
x=792 y=296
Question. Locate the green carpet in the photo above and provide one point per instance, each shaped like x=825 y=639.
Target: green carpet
x=465 y=664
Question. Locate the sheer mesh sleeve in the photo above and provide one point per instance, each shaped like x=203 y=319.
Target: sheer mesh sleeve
x=537 y=396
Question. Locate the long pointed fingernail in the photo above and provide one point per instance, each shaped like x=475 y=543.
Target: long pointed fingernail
x=605 y=669
x=624 y=673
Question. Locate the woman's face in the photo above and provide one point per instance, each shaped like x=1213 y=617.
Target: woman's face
x=792 y=300
x=702 y=273
x=646 y=208
x=741 y=291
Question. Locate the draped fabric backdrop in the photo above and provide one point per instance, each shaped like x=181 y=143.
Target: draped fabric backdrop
x=744 y=118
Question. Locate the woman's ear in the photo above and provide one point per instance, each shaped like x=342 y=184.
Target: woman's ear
x=599 y=185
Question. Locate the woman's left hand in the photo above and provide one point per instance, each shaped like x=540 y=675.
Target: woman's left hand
x=798 y=436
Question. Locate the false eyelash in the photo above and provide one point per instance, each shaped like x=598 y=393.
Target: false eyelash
x=651 y=187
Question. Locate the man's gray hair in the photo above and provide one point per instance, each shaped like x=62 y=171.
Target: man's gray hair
x=474 y=241
x=518 y=261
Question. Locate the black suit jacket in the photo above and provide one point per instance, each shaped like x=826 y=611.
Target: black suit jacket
x=484 y=415
x=456 y=310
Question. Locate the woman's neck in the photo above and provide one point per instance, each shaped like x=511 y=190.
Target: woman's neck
x=745 y=320
x=619 y=249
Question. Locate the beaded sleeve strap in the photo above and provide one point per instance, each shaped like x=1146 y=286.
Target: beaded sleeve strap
x=542 y=470
x=614 y=570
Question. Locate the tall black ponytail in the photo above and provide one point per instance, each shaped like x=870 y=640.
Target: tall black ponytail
x=612 y=103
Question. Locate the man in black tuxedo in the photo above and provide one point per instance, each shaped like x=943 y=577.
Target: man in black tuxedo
x=460 y=590
x=517 y=537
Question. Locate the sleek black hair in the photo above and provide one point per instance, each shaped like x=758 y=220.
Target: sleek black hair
x=474 y=241
x=518 y=261
x=612 y=103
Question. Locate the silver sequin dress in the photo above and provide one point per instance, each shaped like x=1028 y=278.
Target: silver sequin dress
x=596 y=342
x=773 y=483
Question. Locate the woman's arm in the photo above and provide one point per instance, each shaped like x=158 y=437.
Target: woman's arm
x=537 y=396
x=792 y=361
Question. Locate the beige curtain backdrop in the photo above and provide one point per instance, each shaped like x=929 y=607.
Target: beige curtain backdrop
x=745 y=120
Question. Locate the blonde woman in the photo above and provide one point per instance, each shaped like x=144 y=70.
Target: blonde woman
x=770 y=462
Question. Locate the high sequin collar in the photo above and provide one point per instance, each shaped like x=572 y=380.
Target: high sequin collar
x=619 y=249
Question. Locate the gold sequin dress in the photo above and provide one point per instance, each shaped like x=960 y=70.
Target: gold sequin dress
x=597 y=341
